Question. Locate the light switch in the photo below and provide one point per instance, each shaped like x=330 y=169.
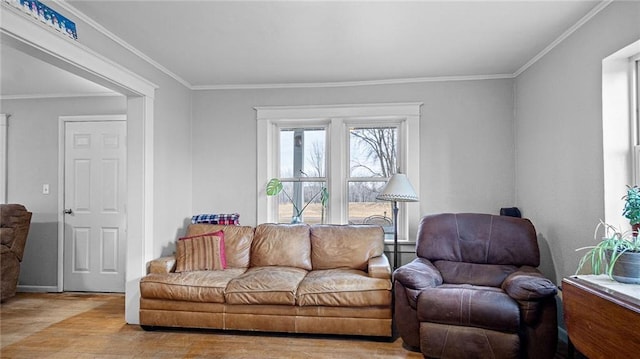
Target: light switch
x=45 y=188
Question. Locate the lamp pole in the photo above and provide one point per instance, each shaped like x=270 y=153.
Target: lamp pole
x=395 y=235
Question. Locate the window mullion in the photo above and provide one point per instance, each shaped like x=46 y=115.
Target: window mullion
x=336 y=171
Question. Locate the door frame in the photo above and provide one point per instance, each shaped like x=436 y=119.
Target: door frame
x=27 y=34
x=62 y=121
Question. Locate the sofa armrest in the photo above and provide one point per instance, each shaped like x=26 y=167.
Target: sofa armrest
x=162 y=265
x=379 y=267
x=527 y=283
x=418 y=274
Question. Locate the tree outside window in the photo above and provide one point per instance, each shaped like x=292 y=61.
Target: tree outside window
x=372 y=161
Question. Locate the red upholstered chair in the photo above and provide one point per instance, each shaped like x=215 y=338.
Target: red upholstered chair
x=474 y=290
x=14 y=228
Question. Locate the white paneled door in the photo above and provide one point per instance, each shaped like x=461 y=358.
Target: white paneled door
x=94 y=201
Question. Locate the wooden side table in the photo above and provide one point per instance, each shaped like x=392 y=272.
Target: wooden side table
x=602 y=316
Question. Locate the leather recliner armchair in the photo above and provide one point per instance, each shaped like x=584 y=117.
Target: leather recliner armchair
x=474 y=290
x=14 y=228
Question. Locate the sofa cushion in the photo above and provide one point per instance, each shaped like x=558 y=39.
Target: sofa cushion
x=265 y=285
x=201 y=252
x=237 y=241
x=467 y=305
x=343 y=288
x=348 y=246
x=281 y=245
x=200 y=286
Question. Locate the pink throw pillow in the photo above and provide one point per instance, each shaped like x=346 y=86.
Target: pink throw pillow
x=201 y=252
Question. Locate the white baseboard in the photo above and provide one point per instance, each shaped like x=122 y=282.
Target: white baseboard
x=37 y=288
x=562 y=335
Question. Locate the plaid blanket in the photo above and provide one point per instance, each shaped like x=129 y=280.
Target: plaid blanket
x=216 y=218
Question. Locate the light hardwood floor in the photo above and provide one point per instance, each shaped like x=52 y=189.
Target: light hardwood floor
x=76 y=325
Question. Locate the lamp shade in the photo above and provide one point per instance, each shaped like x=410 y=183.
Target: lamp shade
x=398 y=189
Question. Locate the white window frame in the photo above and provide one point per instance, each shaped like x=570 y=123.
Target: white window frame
x=337 y=119
x=634 y=89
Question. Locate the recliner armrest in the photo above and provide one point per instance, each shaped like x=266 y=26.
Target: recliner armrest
x=6 y=236
x=527 y=284
x=162 y=265
x=531 y=291
x=418 y=274
x=379 y=267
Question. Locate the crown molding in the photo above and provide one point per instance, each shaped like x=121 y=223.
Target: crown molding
x=593 y=12
x=101 y=29
x=352 y=83
x=341 y=110
x=58 y=95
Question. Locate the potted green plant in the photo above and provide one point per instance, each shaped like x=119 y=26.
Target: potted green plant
x=274 y=187
x=632 y=208
x=618 y=253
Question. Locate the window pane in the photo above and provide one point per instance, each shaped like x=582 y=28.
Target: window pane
x=302 y=152
x=301 y=193
x=372 y=151
x=363 y=206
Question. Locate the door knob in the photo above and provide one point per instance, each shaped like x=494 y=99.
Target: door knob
x=68 y=211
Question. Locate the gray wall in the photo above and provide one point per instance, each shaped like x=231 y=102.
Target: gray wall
x=559 y=163
x=32 y=162
x=467 y=156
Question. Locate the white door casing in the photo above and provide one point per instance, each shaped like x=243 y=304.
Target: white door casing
x=94 y=204
x=28 y=35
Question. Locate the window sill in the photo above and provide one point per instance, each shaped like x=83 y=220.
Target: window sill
x=400 y=242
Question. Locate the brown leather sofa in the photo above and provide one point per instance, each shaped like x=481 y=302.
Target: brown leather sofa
x=324 y=279
x=474 y=291
x=14 y=228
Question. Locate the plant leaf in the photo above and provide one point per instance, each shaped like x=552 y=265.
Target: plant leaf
x=274 y=187
x=324 y=198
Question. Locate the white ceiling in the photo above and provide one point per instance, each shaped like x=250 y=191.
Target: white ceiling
x=226 y=44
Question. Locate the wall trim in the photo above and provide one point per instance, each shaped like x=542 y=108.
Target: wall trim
x=37 y=289
x=320 y=111
x=353 y=83
x=562 y=335
x=58 y=95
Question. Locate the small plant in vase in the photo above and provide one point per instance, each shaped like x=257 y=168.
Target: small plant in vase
x=274 y=187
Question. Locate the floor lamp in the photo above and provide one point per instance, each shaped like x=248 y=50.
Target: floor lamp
x=398 y=189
